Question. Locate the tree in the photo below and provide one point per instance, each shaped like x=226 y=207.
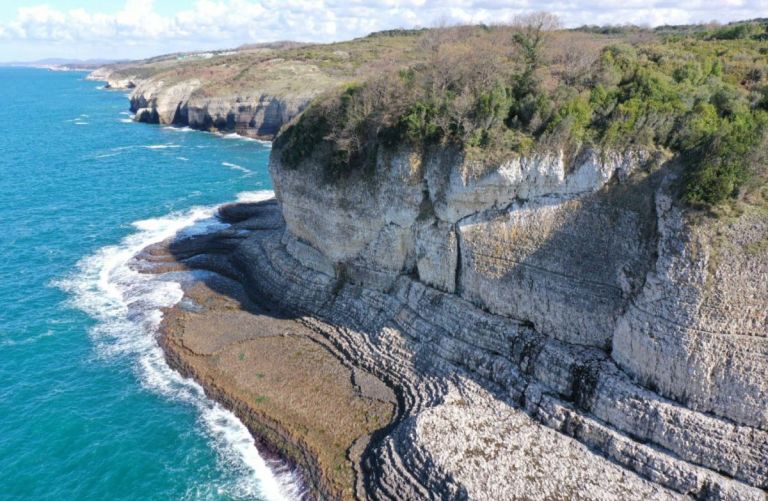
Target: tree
x=530 y=30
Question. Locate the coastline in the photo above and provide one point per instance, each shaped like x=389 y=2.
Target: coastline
x=419 y=342
x=200 y=334
x=128 y=305
x=261 y=122
x=411 y=340
x=294 y=473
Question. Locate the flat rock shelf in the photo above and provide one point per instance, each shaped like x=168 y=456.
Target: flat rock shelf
x=381 y=395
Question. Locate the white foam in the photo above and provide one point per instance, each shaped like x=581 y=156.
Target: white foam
x=244 y=138
x=237 y=167
x=254 y=196
x=125 y=112
x=126 y=305
x=160 y=146
x=178 y=129
x=27 y=340
x=126 y=120
x=81 y=123
x=231 y=135
x=183 y=159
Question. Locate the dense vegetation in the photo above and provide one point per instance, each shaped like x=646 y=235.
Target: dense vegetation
x=699 y=92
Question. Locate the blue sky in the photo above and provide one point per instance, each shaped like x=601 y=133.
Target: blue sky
x=33 y=29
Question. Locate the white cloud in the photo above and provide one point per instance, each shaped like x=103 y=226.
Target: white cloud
x=222 y=23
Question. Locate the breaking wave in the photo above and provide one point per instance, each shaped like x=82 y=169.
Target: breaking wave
x=127 y=307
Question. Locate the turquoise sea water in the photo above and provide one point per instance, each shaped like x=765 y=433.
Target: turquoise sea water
x=88 y=408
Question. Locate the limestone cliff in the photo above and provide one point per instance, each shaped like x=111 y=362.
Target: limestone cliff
x=257 y=113
x=254 y=114
x=112 y=81
x=582 y=290
x=553 y=325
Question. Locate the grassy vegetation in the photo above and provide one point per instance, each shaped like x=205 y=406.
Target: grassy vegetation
x=698 y=91
x=282 y=68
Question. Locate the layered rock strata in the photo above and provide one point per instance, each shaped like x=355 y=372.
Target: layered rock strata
x=255 y=113
x=581 y=291
x=488 y=406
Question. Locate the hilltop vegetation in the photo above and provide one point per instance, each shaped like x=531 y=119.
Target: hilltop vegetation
x=277 y=68
x=697 y=92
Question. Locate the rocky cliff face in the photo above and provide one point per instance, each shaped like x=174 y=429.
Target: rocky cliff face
x=113 y=80
x=252 y=113
x=581 y=292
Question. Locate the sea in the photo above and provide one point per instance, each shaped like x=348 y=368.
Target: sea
x=88 y=407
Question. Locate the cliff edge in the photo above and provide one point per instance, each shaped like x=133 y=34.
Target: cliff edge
x=251 y=90
x=603 y=298
x=558 y=272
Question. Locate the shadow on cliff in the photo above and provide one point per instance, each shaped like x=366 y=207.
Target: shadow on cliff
x=214 y=252
x=609 y=236
x=567 y=267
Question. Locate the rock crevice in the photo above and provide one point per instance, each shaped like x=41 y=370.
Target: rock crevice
x=591 y=295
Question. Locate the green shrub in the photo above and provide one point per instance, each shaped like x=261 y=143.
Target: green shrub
x=696 y=93
x=299 y=140
x=729 y=101
x=719 y=164
x=738 y=32
x=573 y=119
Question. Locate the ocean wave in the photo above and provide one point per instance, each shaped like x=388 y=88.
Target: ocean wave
x=236 y=167
x=127 y=307
x=234 y=135
x=107 y=155
x=160 y=146
x=26 y=340
x=183 y=159
x=254 y=196
x=230 y=135
x=126 y=120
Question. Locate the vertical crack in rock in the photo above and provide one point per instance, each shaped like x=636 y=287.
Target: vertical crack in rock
x=584 y=379
x=457 y=273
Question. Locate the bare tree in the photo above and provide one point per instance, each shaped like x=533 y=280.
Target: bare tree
x=530 y=31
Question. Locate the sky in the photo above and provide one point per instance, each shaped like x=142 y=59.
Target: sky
x=129 y=29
